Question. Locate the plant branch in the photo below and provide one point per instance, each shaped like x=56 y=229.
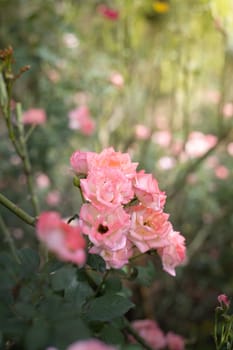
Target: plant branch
x=30 y=220
x=9 y=239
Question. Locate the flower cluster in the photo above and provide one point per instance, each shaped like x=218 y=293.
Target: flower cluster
x=123 y=214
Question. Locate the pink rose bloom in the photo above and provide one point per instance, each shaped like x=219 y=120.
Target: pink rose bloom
x=90 y=344
x=166 y=163
x=149 y=228
x=221 y=172
x=105 y=228
x=175 y=341
x=147 y=191
x=108 y=12
x=35 y=116
x=115 y=259
x=199 y=143
x=142 y=132
x=79 y=161
x=62 y=239
x=79 y=119
x=108 y=158
x=42 y=181
x=223 y=300
x=230 y=148
x=162 y=138
x=150 y=332
x=227 y=110
x=107 y=188
x=53 y=198
x=174 y=253
x=117 y=79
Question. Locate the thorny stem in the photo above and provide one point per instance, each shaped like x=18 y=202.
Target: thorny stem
x=9 y=239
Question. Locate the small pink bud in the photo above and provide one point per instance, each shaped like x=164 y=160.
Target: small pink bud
x=223 y=300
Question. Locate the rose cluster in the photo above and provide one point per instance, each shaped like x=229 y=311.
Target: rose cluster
x=122 y=215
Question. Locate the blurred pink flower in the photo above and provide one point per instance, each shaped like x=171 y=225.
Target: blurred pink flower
x=90 y=344
x=221 y=172
x=199 y=143
x=70 y=40
x=108 y=12
x=162 y=138
x=62 y=239
x=116 y=79
x=79 y=119
x=147 y=191
x=105 y=228
x=42 y=181
x=223 y=300
x=149 y=229
x=150 y=332
x=35 y=116
x=212 y=162
x=227 y=110
x=174 y=253
x=212 y=96
x=230 y=148
x=166 y=163
x=53 y=198
x=142 y=132
x=175 y=341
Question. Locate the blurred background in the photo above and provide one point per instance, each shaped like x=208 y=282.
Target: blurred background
x=152 y=78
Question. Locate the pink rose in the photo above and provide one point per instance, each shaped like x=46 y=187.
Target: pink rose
x=174 y=253
x=199 y=143
x=90 y=344
x=111 y=159
x=106 y=228
x=175 y=341
x=151 y=333
x=107 y=188
x=62 y=239
x=142 y=132
x=117 y=79
x=149 y=228
x=35 y=116
x=79 y=119
x=79 y=161
x=115 y=259
x=147 y=191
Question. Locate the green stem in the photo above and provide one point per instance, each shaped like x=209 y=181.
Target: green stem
x=17 y=211
x=25 y=159
x=134 y=333
x=9 y=239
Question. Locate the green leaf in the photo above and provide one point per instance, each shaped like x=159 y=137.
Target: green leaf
x=146 y=274
x=113 y=283
x=30 y=262
x=64 y=278
x=79 y=295
x=37 y=336
x=112 y=335
x=107 y=307
x=96 y=262
x=66 y=332
x=24 y=310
